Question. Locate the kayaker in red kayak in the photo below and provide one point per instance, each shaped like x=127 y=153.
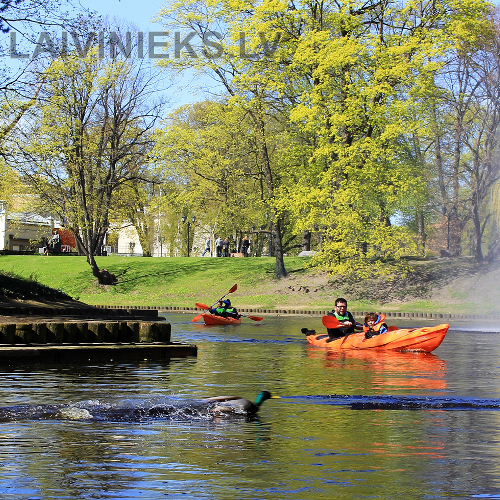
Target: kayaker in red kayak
x=345 y=317
x=225 y=310
x=374 y=325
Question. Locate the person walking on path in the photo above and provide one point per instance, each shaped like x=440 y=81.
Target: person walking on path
x=218 y=246
x=207 y=248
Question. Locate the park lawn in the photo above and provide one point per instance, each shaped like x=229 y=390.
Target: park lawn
x=182 y=281
x=177 y=281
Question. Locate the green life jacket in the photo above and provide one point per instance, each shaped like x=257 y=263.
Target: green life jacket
x=342 y=318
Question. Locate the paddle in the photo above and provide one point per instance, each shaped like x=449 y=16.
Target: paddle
x=231 y=290
x=331 y=322
x=199 y=305
x=253 y=318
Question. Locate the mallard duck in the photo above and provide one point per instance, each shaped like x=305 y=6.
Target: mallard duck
x=237 y=404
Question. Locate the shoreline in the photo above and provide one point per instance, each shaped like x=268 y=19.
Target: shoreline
x=359 y=314
x=150 y=313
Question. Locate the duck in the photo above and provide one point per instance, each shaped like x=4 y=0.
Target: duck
x=237 y=404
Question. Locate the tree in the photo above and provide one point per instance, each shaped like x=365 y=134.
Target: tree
x=90 y=134
x=19 y=87
x=209 y=150
x=246 y=86
x=350 y=79
x=462 y=142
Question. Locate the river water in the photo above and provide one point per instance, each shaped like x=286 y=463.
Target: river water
x=313 y=443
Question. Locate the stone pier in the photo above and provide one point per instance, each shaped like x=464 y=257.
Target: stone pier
x=53 y=335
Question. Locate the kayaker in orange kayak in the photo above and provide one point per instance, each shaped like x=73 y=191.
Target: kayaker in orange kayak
x=374 y=325
x=345 y=317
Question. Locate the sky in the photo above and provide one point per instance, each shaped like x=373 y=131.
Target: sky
x=141 y=13
x=138 y=12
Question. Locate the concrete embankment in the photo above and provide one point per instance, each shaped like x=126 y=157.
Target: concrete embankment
x=66 y=334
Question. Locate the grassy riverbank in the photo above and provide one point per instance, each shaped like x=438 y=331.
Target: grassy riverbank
x=439 y=285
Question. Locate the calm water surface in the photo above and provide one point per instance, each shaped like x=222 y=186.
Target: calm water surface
x=307 y=445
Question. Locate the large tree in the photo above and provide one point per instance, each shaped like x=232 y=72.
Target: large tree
x=90 y=133
x=350 y=78
x=247 y=86
x=211 y=150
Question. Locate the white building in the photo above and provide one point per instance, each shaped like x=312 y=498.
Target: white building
x=20 y=230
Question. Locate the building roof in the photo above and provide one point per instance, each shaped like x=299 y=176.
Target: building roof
x=29 y=218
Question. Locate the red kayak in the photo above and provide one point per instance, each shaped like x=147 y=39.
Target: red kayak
x=406 y=339
x=212 y=319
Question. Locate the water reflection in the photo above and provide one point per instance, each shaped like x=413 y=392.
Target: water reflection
x=389 y=370
x=313 y=444
x=359 y=402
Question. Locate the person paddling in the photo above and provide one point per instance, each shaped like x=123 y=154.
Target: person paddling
x=345 y=317
x=231 y=312
x=219 y=309
x=225 y=310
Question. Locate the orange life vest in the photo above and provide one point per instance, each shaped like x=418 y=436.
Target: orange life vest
x=377 y=326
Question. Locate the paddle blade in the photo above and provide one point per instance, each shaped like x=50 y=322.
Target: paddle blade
x=392 y=328
x=233 y=288
x=196 y=318
x=199 y=305
x=331 y=322
x=255 y=318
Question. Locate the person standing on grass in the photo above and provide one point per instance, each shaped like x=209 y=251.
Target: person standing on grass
x=225 y=247
x=218 y=247
x=245 y=246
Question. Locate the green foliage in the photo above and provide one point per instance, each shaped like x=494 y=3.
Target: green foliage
x=209 y=161
x=349 y=84
x=88 y=141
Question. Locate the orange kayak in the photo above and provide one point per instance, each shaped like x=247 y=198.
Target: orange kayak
x=407 y=339
x=212 y=319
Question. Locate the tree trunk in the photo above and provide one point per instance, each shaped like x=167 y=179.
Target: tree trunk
x=306 y=241
x=478 y=233
x=422 y=236
x=278 y=249
x=275 y=226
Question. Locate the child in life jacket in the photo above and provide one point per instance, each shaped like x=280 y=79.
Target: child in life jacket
x=374 y=325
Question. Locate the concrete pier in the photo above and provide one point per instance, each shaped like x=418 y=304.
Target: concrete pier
x=82 y=332
x=88 y=334
x=69 y=353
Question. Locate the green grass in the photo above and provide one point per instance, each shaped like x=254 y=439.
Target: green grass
x=179 y=281
x=182 y=281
